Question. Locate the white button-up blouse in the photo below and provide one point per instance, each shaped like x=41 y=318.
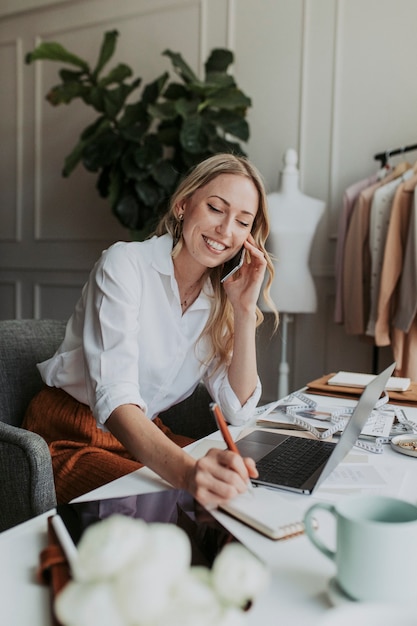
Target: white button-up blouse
x=128 y=342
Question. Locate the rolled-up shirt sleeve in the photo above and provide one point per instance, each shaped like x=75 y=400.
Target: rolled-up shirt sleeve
x=220 y=389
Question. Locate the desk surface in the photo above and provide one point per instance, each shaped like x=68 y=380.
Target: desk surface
x=300 y=574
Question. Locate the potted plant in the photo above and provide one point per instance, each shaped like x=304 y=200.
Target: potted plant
x=141 y=147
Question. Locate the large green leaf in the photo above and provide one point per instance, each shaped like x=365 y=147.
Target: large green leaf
x=107 y=49
x=53 y=51
x=71 y=75
x=149 y=152
x=127 y=211
x=227 y=99
x=181 y=67
x=163 y=110
x=134 y=133
x=130 y=167
x=114 y=99
x=219 y=60
x=192 y=136
x=134 y=114
x=73 y=158
x=230 y=122
x=220 y=144
x=189 y=160
x=64 y=93
x=187 y=108
x=168 y=132
x=175 y=91
x=216 y=80
x=103 y=182
x=94 y=96
x=149 y=192
x=101 y=151
x=115 y=185
x=165 y=175
x=153 y=90
x=117 y=75
x=96 y=127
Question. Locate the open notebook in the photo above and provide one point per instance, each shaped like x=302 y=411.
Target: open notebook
x=273 y=515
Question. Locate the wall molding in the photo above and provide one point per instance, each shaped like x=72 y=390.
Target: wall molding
x=16 y=46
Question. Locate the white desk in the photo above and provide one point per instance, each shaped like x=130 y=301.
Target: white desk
x=296 y=595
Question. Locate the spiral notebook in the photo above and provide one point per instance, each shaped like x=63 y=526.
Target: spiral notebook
x=273 y=515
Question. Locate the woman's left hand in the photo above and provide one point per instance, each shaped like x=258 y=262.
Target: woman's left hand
x=243 y=288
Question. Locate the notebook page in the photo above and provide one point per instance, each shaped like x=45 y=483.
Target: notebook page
x=268 y=512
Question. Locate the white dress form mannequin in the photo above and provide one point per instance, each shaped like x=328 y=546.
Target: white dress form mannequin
x=294 y=218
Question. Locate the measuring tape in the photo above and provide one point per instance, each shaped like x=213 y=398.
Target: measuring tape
x=337 y=419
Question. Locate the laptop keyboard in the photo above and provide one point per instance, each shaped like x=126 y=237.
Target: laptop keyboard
x=294 y=461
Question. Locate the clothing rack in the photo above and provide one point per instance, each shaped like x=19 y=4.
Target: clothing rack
x=384 y=156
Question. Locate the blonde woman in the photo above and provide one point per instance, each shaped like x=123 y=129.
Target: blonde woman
x=154 y=320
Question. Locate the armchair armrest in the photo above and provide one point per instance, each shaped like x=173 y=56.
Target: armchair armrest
x=26 y=478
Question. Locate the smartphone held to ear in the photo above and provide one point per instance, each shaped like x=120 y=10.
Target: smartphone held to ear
x=232 y=266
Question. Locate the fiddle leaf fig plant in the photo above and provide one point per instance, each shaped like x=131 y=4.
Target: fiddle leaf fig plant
x=142 y=143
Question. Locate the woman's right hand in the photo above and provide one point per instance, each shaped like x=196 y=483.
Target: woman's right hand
x=219 y=476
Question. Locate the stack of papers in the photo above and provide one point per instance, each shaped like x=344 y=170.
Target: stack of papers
x=355 y=379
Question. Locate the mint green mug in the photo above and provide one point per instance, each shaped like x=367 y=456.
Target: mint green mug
x=376 y=546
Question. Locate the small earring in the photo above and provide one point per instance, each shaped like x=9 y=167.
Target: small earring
x=178 y=228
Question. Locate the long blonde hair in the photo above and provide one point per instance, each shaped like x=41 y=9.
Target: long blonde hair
x=219 y=328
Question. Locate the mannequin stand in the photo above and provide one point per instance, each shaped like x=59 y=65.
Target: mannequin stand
x=284 y=368
x=294 y=217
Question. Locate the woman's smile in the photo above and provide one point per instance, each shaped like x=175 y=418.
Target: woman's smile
x=215 y=245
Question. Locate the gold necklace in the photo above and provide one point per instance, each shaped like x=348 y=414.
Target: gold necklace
x=191 y=297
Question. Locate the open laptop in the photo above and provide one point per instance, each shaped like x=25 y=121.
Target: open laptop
x=300 y=464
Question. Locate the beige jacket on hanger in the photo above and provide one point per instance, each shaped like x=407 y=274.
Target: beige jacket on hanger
x=393 y=261
x=357 y=259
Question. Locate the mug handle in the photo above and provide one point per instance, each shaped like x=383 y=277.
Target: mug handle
x=310 y=526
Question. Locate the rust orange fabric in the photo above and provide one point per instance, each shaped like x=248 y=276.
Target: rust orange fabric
x=84 y=457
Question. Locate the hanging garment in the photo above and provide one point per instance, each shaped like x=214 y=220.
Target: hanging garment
x=357 y=261
x=378 y=228
x=393 y=262
x=407 y=303
x=349 y=198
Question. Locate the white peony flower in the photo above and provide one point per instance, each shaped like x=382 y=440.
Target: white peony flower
x=170 y=546
x=145 y=587
x=192 y=603
x=108 y=546
x=143 y=591
x=238 y=576
x=196 y=589
x=130 y=573
x=88 y=604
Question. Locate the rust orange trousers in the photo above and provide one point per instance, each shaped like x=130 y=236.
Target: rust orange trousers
x=83 y=456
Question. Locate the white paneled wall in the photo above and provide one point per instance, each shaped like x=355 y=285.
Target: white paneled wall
x=333 y=79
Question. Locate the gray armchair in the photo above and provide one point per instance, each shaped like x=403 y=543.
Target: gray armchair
x=26 y=479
